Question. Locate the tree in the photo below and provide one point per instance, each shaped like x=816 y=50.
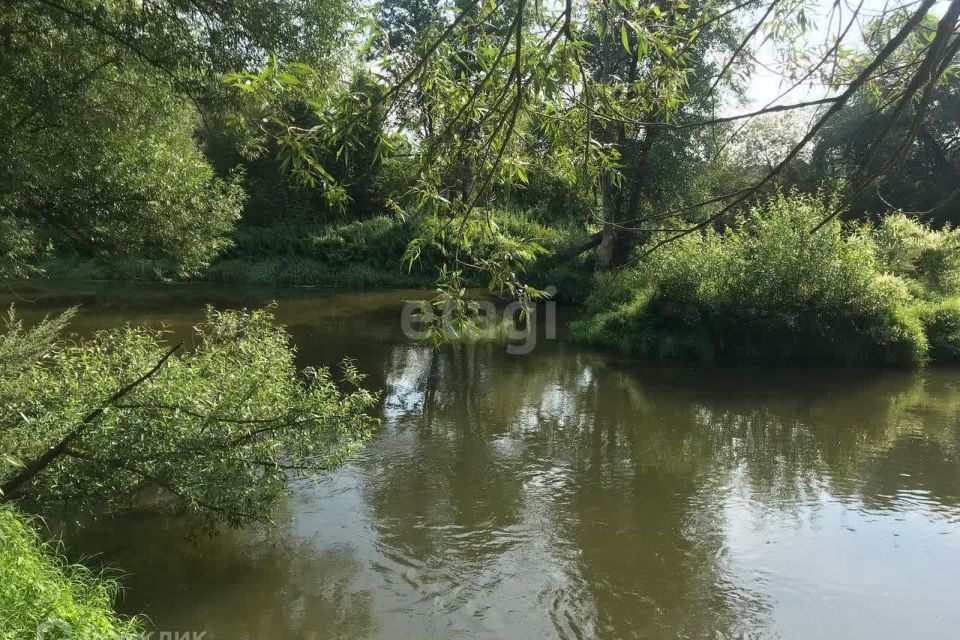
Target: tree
x=99 y=152
x=99 y=426
x=916 y=165
x=486 y=87
x=606 y=81
x=102 y=103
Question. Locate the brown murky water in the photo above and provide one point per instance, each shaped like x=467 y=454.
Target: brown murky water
x=570 y=494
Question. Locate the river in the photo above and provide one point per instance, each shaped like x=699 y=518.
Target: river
x=566 y=493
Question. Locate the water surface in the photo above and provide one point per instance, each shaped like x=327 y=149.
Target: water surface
x=569 y=494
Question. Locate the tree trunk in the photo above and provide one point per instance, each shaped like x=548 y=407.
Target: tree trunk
x=612 y=196
x=608 y=235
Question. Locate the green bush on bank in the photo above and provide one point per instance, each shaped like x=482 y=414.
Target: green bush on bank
x=941 y=322
x=370 y=253
x=928 y=258
x=302 y=271
x=376 y=241
x=765 y=289
x=358 y=254
x=37 y=586
x=572 y=278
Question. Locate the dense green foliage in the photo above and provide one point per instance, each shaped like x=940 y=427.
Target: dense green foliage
x=99 y=153
x=518 y=146
x=929 y=261
x=941 y=320
x=917 y=169
x=928 y=258
x=137 y=131
x=768 y=289
x=214 y=433
x=365 y=253
x=114 y=122
x=38 y=588
x=368 y=253
x=372 y=253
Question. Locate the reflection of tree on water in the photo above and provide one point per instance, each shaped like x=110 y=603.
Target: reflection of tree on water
x=553 y=494
x=443 y=495
x=625 y=473
x=498 y=454
x=792 y=434
x=648 y=557
x=559 y=494
x=921 y=455
x=238 y=584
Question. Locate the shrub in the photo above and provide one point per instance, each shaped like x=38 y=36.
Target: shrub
x=913 y=250
x=363 y=253
x=765 y=289
x=941 y=321
x=571 y=277
x=37 y=587
x=381 y=239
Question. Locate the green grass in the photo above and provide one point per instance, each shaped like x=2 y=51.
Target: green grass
x=355 y=255
x=37 y=586
x=74 y=268
x=296 y=270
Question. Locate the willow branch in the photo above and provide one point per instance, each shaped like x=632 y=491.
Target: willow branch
x=43 y=461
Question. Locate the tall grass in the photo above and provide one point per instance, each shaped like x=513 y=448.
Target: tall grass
x=370 y=253
x=37 y=587
x=365 y=253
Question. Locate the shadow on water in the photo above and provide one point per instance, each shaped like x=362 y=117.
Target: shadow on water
x=569 y=494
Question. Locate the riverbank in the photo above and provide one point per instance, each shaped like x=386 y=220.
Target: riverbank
x=44 y=596
x=765 y=289
x=770 y=289
x=365 y=254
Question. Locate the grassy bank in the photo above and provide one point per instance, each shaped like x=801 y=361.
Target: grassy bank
x=358 y=254
x=764 y=289
x=767 y=289
x=352 y=255
x=38 y=589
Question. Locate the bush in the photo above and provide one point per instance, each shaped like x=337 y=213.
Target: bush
x=381 y=240
x=74 y=268
x=307 y=272
x=941 y=321
x=37 y=587
x=571 y=277
x=550 y=197
x=910 y=249
x=356 y=254
x=365 y=253
x=765 y=289
x=370 y=253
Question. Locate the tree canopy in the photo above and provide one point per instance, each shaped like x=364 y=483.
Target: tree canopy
x=140 y=129
x=104 y=107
